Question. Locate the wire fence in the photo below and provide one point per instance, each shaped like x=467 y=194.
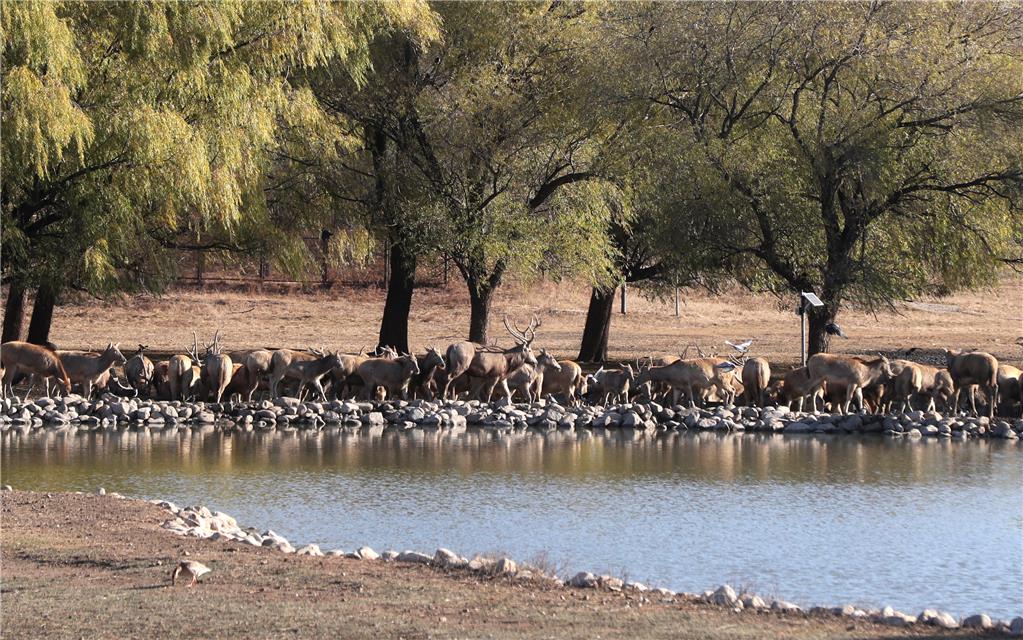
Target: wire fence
x=200 y=269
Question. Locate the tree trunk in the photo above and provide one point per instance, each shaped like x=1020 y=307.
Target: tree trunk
x=14 y=312
x=817 y=338
x=400 y=287
x=480 y=297
x=598 y=326
x=42 y=314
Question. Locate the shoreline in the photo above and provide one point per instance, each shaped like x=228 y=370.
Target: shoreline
x=221 y=533
x=205 y=534
x=285 y=413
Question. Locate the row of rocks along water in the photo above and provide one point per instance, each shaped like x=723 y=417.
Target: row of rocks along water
x=200 y=522
x=290 y=413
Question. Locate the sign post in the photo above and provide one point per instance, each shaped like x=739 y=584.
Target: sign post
x=807 y=299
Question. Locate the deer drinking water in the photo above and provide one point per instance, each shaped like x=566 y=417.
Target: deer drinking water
x=34 y=360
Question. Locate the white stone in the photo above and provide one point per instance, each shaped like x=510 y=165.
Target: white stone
x=414 y=556
x=101 y=491
x=781 y=605
x=445 y=558
x=366 y=553
x=725 y=596
x=584 y=580
x=506 y=566
x=310 y=550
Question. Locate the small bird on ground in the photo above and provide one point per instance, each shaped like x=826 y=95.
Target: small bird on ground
x=189 y=568
x=741 y=347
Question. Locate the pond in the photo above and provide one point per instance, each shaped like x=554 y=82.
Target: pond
x=813 y=519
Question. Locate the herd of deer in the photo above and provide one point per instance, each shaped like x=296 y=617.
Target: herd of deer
x=476 y=370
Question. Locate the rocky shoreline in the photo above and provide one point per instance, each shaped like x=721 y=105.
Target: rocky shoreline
x=112 y=412
x=215 y=526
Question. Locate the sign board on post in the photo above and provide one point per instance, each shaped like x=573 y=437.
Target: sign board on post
x=807 y=299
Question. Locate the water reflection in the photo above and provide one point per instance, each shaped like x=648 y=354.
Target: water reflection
x=815 y=518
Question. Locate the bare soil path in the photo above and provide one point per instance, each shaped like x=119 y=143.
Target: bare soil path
x=82 y=566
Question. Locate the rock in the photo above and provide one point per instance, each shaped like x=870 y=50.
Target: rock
x=637 y=586
x=389 y=556
x=7 y=487
x=937 y=619
x=1016 y=627
x=445 y=558
x=611 y=584
x=750 y=601
x=898 y=619
x=844 y=610
x=583 y=580
x=414 y=557
x=101 y=491
x=284 y=546
x=506 y=566
x=782 y=605
x=310 y=550
x=725 y=596
x=978 y=621
x=366 y=553
x=335 y=553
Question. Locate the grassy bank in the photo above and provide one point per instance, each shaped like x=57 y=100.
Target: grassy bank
x=99 y=567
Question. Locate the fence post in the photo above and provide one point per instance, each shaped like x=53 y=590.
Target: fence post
x=678 y=308
x=625 y=301
x=200 y=266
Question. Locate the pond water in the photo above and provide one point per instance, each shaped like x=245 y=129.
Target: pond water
x=811 y=519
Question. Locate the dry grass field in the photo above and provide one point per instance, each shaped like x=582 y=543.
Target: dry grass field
x=78 y=566
x=348 y=319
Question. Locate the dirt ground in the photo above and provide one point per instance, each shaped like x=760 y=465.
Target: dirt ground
x=349 y=319
x=82 y=566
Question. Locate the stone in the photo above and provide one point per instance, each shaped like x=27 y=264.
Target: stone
x=101 y=491
x=898 y=619
x=844 y=610
x=335 y=553
x=506 y=566
x=310 y=550
x=611 y=584
x=725 y=596
x=978 y=621
x=750 y=601
x=782 y=605
x=366 y=553
x=1016 y=627
x=7 y=487
x=639 y=587
x=445 y=558
x=583 y=580
x=284 y=546
x=414 y=557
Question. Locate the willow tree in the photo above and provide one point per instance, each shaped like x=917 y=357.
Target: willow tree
x=869 y=152
x=510 y=147
x=131 y=126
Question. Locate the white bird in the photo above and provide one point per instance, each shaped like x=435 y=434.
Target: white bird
x=189 y=568
x=742 y=347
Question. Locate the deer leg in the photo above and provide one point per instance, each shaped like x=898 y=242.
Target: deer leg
x=992 y=401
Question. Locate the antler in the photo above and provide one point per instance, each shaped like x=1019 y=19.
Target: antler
x=515 y=333
x=194 y=351
x=534 y=324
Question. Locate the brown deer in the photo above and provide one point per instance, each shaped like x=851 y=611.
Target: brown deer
x=528 y=379
x=696 y=376
x=613 y=383
x=756 y=376
x=139 y=370
x=87 y=368
x=848 y=374
x=217 y=368
x=491 y=364
x=393 y=375
x=424 y=383
x=973 y=368
x=178 y=367
x=568 y=380
x=307 y=368
x=34 y=360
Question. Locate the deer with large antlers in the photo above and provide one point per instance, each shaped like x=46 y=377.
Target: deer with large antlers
x=491 y=364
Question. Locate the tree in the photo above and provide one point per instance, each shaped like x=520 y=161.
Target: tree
x=869 y=152
x=125 y=124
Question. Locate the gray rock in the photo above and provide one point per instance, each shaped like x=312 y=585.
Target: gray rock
x=366 y=553
x=750 y=601
x=310 y=550
x=1016 y=627
x=611 y=584
x=725 y=596
x=101 y=491
x=583 y=580
x=445 y=558
x=6 y=487
x=978 y=621
x=898 y=619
